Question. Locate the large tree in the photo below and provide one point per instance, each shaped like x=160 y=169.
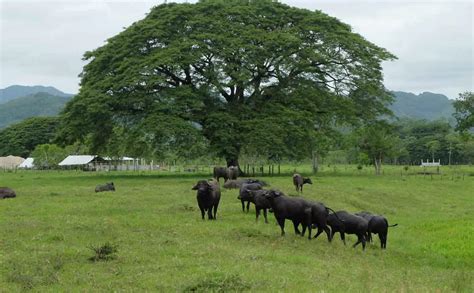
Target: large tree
x=235 y=73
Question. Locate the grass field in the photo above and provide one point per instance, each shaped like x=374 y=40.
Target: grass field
x=47 y=232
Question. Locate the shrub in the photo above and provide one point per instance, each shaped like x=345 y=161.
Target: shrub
x=104 y=253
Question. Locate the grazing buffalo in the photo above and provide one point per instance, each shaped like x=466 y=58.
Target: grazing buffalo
x=208 y=197
x=257 y=197
x=220 y=172
x=291 y=208
x=106 y=187
x=243 y=193
x=317 y=214
x=6 y=192
x=230 y=184
x=299 y=181
x=379 y=225
x=232 y=172
x=368 y=216
x=343 y=222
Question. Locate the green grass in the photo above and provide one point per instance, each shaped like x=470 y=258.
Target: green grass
x=47 y=232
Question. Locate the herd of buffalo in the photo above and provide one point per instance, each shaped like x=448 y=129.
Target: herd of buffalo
x=309 y=214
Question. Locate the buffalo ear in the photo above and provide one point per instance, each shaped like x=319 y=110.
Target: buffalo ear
x=195 y=187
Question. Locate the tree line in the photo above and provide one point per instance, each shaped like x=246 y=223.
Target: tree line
x=233 y=79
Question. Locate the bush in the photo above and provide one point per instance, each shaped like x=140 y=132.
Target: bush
x=104 y=253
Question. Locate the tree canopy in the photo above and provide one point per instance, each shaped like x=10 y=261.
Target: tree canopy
x=20 y=139
x=227 y=76
x=464 y=111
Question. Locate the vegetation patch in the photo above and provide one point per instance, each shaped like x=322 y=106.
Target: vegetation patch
x=29 y=275
x=219 y=283
x=104 y=252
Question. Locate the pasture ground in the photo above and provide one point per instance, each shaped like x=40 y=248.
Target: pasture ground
x=47 y=232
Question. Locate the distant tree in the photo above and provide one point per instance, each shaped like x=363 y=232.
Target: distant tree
x=228 y=74
x=378 y=141
x=453 y=141
x=464 y=114
x=48 y=156
x=417 y=134
x=433 y=146
x=20 y=139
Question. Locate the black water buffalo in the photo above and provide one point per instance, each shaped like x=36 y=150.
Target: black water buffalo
x=257 y=197
x=317 y=214
x=291 y=208
x=6 y=192
x=233 y=172
x=220 y=172
x=208 y=197
x=243 y=193
x=343 y=222
x=366 y=215
x=379 y=225
x=299 y=181
x=251 y=180
x=230 y=184
x=106 y=187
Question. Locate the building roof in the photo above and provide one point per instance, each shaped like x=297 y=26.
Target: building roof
x=121 y=159
x=77 y=160
x=28 y=163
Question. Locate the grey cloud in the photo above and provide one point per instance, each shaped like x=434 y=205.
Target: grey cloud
x=43 y=42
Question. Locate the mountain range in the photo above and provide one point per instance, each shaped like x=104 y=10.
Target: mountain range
x=17 y=91
x=426 y=105
x=21 y=102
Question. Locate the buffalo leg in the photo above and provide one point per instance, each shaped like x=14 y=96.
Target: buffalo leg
x=383 y=240
x=248 y=206
x=343 y=237
x=202 y=213
x=215 y=211
x=304 y=229
x=243 y=206
x=265 y=215
x=281 y=222
x=257 y=214
x=209 y=213
x=332 y=233
x=360 y=239
x=320 y=230
x=328 y=233
x=297 y=231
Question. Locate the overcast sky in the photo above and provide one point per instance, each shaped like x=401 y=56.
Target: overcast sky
x=42 y=42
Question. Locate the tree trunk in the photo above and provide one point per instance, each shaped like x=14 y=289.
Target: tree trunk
x=378 y=165
x=235 y=162
x=315 y=163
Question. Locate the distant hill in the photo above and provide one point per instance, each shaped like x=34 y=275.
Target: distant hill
x=426 y=105
x=17 y=91
x=39 y=104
